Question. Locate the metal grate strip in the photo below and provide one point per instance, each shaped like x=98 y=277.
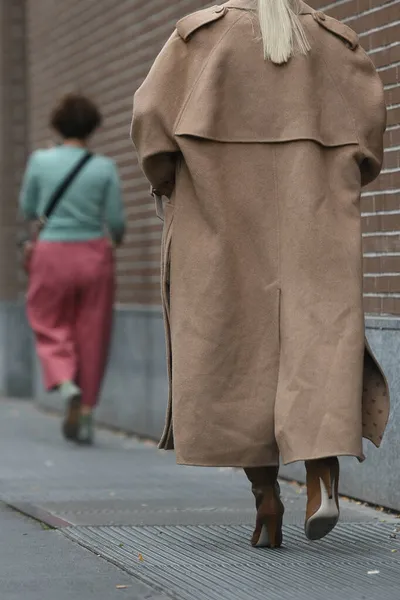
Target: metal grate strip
x=216 y=562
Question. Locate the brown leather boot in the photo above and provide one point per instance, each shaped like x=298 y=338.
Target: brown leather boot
x=265 y=487
x=323 y=497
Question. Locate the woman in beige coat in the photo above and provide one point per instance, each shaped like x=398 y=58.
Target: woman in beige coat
x=261 y=123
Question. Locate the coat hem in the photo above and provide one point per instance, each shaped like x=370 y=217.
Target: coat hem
x=243 y=465
x=360 y=457
x=236 y=465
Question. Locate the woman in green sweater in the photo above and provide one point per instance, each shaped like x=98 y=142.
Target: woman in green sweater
x=71 y=280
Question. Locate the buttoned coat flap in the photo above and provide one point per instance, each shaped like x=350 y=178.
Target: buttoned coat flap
x=340 y=30
x=187 y=26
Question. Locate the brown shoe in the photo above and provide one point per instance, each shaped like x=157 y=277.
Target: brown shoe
x=72 y=396
x=270 y=509
x=323 y=497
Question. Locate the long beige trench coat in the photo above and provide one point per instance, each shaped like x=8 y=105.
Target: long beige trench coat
x=261 y=258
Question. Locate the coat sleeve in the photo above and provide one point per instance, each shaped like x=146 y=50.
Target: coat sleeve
x=369 y=109
x=156 y=107
x=363 y=91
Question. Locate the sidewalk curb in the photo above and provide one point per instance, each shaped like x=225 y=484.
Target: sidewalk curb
x=37 y=513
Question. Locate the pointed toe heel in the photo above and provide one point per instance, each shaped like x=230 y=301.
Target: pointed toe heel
x=323 y=498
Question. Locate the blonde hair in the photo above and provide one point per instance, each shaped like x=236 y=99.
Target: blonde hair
x=282 y=32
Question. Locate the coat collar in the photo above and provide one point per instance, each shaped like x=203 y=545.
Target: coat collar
x=251 y=5
x=241 y=4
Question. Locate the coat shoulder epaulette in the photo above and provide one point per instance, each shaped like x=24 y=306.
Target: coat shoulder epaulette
x=347 y=35
x=187 y=26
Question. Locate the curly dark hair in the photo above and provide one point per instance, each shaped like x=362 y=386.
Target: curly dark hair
x=75 y=116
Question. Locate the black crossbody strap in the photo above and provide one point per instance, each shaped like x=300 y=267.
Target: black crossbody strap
x=64 y=185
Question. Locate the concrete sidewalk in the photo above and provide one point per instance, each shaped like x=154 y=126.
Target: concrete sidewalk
x=41 y=564
x=165 y=531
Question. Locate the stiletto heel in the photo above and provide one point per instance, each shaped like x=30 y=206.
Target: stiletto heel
x=270 y=509
x=274 y=528
x=323 y=497
x=269 y=533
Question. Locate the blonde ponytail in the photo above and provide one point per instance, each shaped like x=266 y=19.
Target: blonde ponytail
x=281 y=30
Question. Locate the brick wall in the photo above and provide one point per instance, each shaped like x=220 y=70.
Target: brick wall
x=106 y=48
x=13 y=130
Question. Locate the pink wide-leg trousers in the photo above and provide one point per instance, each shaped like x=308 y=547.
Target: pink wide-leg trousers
x=69 y=305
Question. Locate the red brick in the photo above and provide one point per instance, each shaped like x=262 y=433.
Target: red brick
x=390 y=306
x=373 y=305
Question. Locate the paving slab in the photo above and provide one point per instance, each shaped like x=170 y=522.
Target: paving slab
x=42 y=564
